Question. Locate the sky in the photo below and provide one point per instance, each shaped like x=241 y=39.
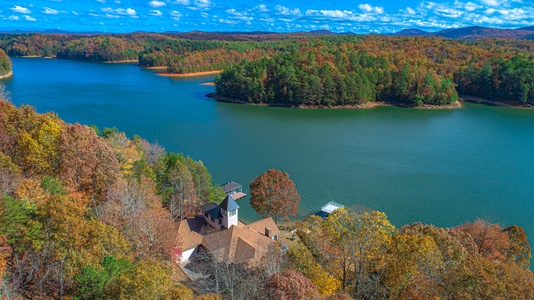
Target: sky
x=358 y=16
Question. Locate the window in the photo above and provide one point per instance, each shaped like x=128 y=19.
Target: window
x=232 y=213
x=206 y=214
x=212 y=219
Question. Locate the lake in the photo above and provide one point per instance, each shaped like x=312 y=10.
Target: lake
x=442 y=167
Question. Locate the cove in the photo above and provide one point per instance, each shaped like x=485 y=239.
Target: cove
x=442 y=167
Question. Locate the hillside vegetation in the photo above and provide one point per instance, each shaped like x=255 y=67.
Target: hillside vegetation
x=91 y=214
x=342 y=71
x=5 y=63
x=307 y=69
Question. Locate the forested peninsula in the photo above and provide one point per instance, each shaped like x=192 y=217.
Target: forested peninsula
x=310 y=70
x=5 y=65
x=91 y=214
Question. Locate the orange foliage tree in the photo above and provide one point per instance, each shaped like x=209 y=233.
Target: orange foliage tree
x=274 y=194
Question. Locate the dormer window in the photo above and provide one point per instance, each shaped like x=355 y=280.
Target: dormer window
x=223 y=212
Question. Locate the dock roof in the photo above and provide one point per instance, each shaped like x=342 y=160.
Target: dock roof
x=229 y=186
x=331 y=206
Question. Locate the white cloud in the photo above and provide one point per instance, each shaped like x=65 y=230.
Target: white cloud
x=287 y=11
x=12 y=18
x=228 y=21
x=470 y=6
x=75 y=13
x=49 y=11
x=486 y=20
x=119 y=11
x=21 y=10
x=28 y=18
x=155 y=13
x=101 y=1
x=175 y=15
x=156 y=3
x=261 y=7
x=329 y=13
x=368 y=8
x=203 y=3
x=448 y=12
x=181 y=2
x=494 y=2
x=410 y=11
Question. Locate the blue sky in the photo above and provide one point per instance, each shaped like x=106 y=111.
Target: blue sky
x=269 y=15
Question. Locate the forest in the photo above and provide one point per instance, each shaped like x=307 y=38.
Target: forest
x=306 y=69
x=346 y=71
x=5 y=63
x=92 y=214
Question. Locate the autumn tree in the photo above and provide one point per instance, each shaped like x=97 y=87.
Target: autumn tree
x=290 y=285
x=87 y=162
x=133 y=207
x=274 y=194
x=490 y=239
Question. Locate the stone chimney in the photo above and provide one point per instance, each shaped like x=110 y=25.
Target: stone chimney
x=268 y=232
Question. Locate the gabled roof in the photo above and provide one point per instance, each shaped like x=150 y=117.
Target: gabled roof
x=229 y=186
x=213 y=209
x=237 y=245
x=259 y=226
x=229 y=203
x=189 y=232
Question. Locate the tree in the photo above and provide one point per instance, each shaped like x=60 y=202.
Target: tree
x=290 y=285
x=274 y=194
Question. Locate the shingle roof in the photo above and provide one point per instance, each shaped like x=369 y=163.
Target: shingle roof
x=259 y=226
x=229 y=203
x=189 y=232
x=213 y=209
x=230 y=186
x=237 y=245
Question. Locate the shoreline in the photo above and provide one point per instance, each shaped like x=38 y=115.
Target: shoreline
x=155 y=68
x=367 y=105
x=479 y=100
x=194 y=74
x=7 y=75
x=125 y=61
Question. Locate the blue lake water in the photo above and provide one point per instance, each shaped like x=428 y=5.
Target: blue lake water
x=441 y=167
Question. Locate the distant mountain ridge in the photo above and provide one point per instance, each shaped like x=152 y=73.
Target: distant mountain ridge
x=464 y=33
x=473 y=33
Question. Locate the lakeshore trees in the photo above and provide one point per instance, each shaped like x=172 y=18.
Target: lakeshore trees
x=5 y=63
x=376 y=261
x=80 y=213
x=107 y=232
x=307 y=69
x=274 y=194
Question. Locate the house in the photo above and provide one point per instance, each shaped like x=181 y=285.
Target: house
x=219 y=231
x=234 y=189
x=328 y=209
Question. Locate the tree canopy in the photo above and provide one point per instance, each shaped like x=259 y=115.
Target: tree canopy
x=274 y=194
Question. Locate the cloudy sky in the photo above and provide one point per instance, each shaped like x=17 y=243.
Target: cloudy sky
x=269 y=15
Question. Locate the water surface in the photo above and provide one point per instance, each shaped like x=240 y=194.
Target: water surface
x=438 y=167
